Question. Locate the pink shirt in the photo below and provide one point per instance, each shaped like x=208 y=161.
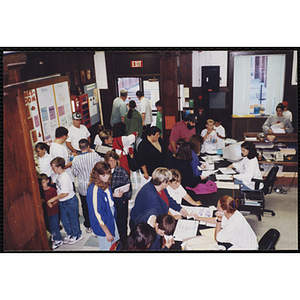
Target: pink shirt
x=180 y=130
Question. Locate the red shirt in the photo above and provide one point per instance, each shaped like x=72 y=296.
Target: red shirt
x=163 y=195
x=50 y=193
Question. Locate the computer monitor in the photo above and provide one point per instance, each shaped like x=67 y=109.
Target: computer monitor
x=233 y=152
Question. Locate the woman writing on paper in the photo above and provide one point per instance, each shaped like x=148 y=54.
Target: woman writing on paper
x=247 y=168
x=232 y=229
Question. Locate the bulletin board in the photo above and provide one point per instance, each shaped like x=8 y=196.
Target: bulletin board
x=91 y=90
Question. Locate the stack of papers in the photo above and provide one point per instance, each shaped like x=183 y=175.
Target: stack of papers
x=227 y=185
x=185 y=229
x=227 y=171
x=277 y=128
x=223 y=177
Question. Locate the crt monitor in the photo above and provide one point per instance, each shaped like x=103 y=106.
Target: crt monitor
x=233 y=152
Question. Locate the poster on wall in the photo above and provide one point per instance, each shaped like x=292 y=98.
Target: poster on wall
x=33 y=117
x=93 y=103
x=48 y=112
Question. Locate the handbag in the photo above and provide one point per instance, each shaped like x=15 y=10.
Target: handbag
x=132 y=161
x=204 y=188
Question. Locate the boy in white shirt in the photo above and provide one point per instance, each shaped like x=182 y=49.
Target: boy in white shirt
x=220 y=130
x=209 y=137
x=68 y=202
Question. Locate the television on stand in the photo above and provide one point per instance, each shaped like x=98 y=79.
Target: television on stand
x=233 y=152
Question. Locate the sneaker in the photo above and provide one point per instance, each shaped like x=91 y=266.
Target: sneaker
x=56 y=244
x=89 y=230
x=67 y=239
x=51 y=238
x=75 y=239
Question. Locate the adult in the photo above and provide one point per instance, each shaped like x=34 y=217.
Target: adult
x=101 y=206
x=286 y=112
x=278 y=118
x=123 y=144
x=106 y=142
x=196 y=141
x=145 y=108
x=57 y=149
x=247 y=168
x=154 y=195
x=133 y=121
x=77 y=131
x=182 y=129
x=182 y=161
x=82 y=166
x=119 y=108
x=232 y=229
x=120 y=177
x=159 y=123
x=151 y=152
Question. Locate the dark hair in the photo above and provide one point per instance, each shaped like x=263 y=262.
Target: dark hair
x=42 y=176
x=58 y=162
x=83 y=144
x=100 y=168
x=229 y=204
x=176 y=175
x=100 y=128
x=184 y=152
x=139 y=93
x=61 y=131
x=119 y=129
x=42 y=146
x=180 y=141
x=280 y=105
x=251 y=147
x=158 y=103
x=196 y=142
x=140 y=238
x=153 y=130
x=132 y=106
x=112 y=154
x=167 y=223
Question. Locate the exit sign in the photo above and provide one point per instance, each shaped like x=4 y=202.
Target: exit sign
x=136 y=64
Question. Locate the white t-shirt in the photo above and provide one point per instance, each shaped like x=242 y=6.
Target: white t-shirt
x=238 y=232
x=76 y=134
x=288 y=115
x=220 y=142
x=97 y=140
x=177 y=195
x=145 y=107
x=110 y=201
x=127 y=141
x=64 y=185
x=44 y=164
x=208 y=144
x=57 y=150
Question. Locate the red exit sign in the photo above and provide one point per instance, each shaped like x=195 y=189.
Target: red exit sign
x=136 y=64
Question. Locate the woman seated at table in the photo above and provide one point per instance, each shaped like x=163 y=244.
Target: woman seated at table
x=278 y=118
x=154 y=195
x=232 y=229
x=247 y=168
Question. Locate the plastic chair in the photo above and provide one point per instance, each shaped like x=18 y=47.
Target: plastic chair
x=269 y=240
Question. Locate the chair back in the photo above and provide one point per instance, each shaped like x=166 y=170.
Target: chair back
x=269 y=240
x=269 y=181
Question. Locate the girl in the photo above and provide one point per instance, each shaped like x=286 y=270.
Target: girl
x=101 y=206
x=44 y=158
x=248 y=167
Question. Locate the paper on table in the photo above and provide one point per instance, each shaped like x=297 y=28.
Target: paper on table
x=204 y=241
x=227 y=171
x=227 y=185
x=223 y=177
x=207 y=173
x=185 y=229
x=277 y=128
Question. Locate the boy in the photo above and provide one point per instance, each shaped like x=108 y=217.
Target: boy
x=107 y=140
x=68 y=202
x=177 y=192
x=209 y=137
x=52 y=210
x=220 y=130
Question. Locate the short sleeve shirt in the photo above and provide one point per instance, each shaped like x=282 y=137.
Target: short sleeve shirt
x=119 y=110
x=76 y=134
x=64 y=185
x=145 y=107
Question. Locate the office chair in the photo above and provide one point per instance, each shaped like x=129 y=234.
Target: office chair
x=269 y=240
x=258 y=194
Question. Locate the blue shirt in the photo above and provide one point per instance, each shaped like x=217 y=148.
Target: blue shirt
x=119 y=110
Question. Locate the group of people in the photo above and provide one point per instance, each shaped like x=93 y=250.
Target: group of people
x=104 y=184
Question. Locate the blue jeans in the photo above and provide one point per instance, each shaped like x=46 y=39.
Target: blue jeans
x=243 y=187
x=54 y=227
x=69 y=216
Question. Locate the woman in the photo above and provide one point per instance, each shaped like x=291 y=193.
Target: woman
x=123 y=144
x=154 y=196
x=151 y=152
x=133 y=121
x=101 y=206
x=278 y=118
x=232 y=229
x=120 y=177
x=247 y=168
x=196 y=142
x=181 y=161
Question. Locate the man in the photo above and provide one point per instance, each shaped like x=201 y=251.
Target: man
x=119 y=108
x=77 y=131
x=82 y=166
x=145 y=109
x=182 y=129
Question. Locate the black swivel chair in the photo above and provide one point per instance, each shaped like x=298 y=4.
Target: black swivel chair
x=258 y=194
x=269 y=240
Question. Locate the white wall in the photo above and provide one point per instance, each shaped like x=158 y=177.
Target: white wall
x=100 y=70
x=209 y=58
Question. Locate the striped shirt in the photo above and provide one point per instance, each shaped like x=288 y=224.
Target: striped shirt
x=82 y=166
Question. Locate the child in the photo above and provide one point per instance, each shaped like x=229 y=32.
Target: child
x=107 y=140
x=177 y=192
x=286 y=112
x=44 y=158
x=209 y=137
x=68 y=202
x=52 y=210
x=220 y=130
